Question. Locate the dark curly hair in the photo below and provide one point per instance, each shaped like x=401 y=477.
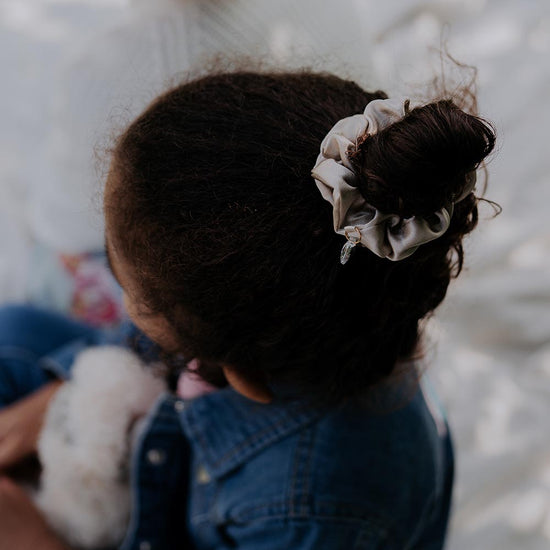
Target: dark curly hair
x=216 y=210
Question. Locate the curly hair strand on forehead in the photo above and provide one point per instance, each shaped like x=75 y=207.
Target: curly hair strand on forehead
x=217 y=211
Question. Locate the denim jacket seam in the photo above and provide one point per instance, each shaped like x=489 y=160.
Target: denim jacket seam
x=300 y=483
x=262 y=511
x=269 y=435
x=364 y=524
x=251 y=440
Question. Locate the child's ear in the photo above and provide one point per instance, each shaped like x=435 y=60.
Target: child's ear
x=252 y=389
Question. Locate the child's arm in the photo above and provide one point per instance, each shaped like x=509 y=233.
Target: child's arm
x=20 y=425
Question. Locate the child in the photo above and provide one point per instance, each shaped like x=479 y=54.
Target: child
x=291 y=241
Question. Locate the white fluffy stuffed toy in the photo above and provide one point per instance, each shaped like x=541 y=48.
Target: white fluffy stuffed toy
x=86 y=442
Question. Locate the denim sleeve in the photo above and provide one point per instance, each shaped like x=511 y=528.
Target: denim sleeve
x=320 y=533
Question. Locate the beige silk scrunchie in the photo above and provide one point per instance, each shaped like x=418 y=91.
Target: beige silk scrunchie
x=387 y=235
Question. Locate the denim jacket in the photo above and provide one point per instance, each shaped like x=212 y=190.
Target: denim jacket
x=221 y=471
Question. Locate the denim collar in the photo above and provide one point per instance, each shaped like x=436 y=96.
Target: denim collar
x=227 y=429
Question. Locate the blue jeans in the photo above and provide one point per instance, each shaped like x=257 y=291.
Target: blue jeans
x=38 y=345
x=28 y=335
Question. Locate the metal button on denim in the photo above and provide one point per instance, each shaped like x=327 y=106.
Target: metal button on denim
x=179 y=405
x=156 y=457
x=145 y=545
x=202 y=475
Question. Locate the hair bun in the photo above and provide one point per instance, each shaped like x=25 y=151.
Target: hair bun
x=424 y=161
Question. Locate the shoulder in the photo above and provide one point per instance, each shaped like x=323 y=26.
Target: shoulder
x=353 y=463
x=347 y=468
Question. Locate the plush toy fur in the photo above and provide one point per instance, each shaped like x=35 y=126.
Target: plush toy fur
x=86 y=442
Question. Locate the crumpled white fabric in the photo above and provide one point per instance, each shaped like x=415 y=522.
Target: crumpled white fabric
x=385 y=234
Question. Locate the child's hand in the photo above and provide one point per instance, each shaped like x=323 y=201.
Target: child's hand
x=20 y=425
x=21 y=524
